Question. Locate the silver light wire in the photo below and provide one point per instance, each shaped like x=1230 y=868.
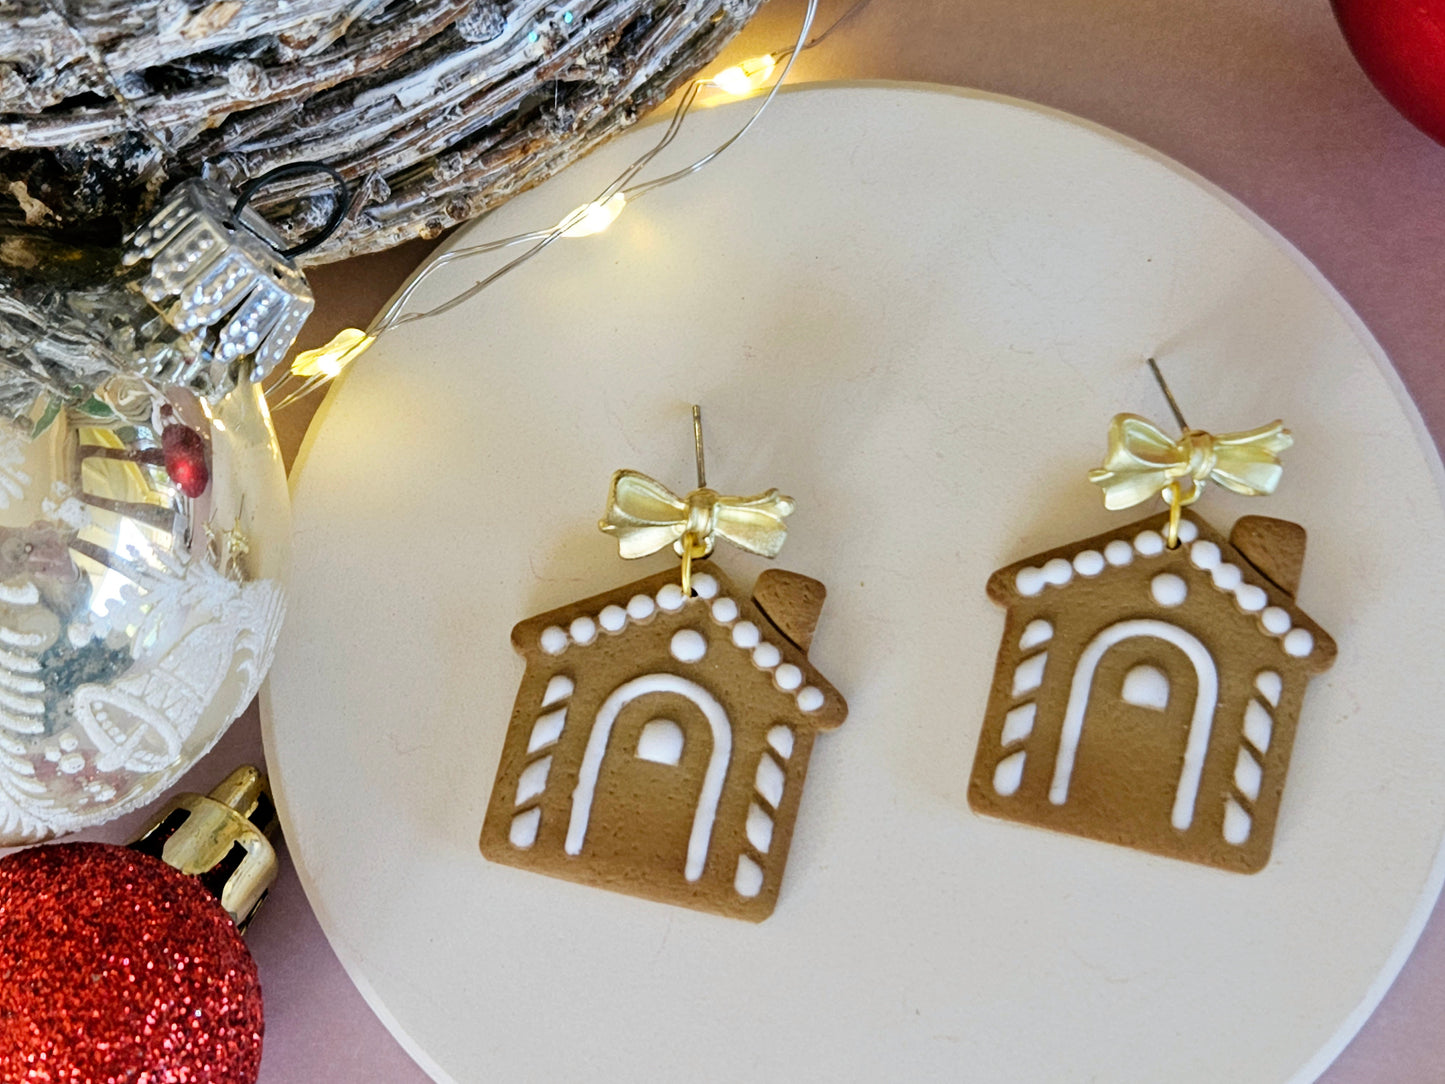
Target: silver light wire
x=393 y=316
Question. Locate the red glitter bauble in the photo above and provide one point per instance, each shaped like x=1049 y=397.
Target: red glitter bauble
x=1401 y=46
x=185 y=457
x=114 y=968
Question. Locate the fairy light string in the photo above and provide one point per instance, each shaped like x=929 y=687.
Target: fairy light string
x=312 y=369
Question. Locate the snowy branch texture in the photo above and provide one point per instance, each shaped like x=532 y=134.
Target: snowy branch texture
x=435 y=110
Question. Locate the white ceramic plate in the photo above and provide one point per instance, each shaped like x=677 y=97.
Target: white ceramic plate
x=914 y=310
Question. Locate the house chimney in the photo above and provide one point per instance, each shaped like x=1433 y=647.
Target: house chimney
x=792 y=602
x=1276 y=547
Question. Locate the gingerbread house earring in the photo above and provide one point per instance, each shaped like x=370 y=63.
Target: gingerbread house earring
x=1150 y=679
x=662 y=731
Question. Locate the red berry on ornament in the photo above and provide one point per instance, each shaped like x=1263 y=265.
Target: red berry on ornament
x=185 y=459
x=127 y=964
x=1401 y=46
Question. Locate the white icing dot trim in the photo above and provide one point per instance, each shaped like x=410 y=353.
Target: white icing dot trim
x=788 y=677
x=724 y=611
x=1298 y=643
x=1227 y=577
x=1275 y=620
x=1251 y=599
x=809 y=699
x=1168 y=589
x=1203 y=555
x=1149 y=543
x=688 y=645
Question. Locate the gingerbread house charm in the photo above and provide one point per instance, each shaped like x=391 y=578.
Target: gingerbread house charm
x=1148 y=696
x=659 y=742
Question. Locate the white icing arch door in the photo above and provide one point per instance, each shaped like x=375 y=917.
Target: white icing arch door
x=1201 y=722
x=599 y=741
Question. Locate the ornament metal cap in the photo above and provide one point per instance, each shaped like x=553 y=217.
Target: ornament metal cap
x=222 y=840
x=219 y=275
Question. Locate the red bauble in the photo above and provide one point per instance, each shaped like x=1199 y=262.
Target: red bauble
x=116 y=967
x=185 y=458
x=1401 y=46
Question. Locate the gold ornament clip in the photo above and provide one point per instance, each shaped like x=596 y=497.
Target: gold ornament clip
x=644 y=516
x=1143 y=461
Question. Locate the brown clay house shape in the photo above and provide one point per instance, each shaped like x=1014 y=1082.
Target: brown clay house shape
x=1147 y=696
x=659 y=743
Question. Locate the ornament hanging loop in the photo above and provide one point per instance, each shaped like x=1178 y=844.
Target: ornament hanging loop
x=1177 y=503
x=692 y=549
x=297 y=169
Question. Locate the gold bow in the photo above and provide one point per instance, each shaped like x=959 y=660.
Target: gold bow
x=1142 y=461
x=645 y=516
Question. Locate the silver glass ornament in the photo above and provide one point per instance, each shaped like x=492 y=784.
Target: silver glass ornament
x=144 y=518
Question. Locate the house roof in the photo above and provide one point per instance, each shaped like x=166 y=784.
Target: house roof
x=1203 y=554
x=748 y=632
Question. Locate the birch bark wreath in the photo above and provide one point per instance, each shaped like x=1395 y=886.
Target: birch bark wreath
x=436 y=110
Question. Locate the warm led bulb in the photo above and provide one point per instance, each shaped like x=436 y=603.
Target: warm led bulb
x=746 y=77
x=593 y=217
x=328 y=361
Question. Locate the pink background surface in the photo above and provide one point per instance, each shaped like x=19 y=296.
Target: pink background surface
x=1259 y=96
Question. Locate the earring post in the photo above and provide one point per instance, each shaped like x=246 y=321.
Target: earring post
x=1164 y=387
x=697 y=446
